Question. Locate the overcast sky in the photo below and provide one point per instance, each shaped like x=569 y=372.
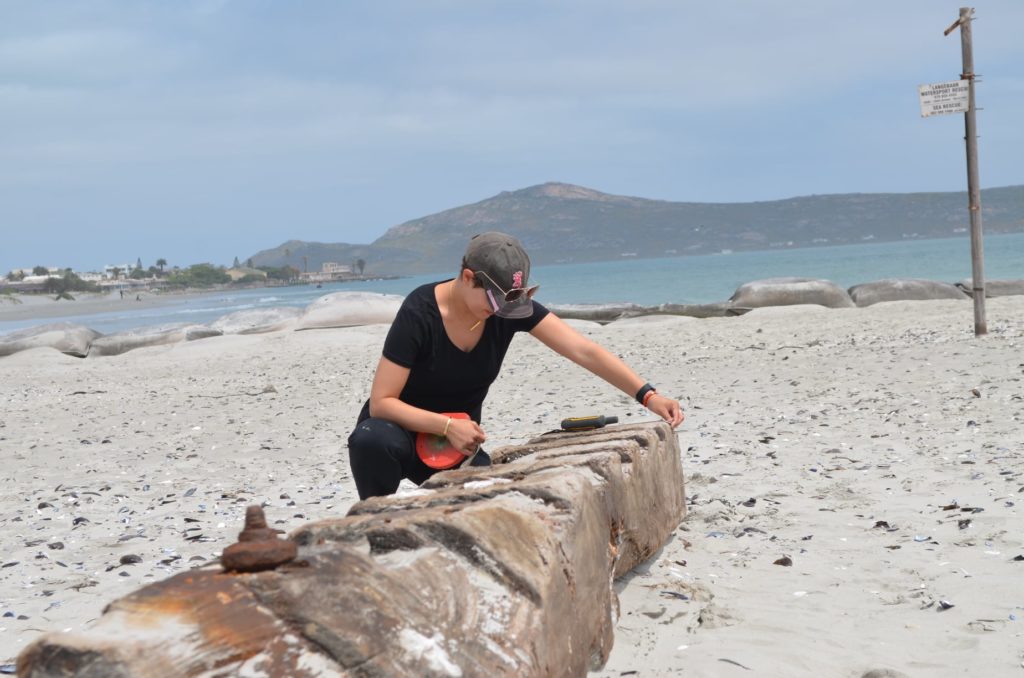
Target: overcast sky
x=201 y=130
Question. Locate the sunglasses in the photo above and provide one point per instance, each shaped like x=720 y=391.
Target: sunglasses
x=514 y=294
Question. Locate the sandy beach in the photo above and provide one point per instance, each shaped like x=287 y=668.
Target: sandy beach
x=45 y=307
x=854 y=478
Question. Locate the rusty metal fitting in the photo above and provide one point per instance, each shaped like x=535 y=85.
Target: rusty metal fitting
x=259 y=547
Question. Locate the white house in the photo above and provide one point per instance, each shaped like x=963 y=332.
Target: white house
x=108 y=270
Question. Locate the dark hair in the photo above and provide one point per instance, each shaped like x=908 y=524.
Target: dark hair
x=476 y=280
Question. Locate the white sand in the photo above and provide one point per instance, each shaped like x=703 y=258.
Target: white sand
x=830 y=421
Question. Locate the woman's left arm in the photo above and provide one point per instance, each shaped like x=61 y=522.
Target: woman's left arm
x=566 y=341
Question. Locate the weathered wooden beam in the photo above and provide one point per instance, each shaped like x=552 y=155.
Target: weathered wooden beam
x=495 y=571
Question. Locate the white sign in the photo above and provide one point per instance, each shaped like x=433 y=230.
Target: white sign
x=944 y=97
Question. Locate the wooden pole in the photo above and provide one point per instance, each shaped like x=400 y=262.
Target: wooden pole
x=973 y=187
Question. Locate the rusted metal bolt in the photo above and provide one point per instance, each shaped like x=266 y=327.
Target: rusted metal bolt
x=258 y=547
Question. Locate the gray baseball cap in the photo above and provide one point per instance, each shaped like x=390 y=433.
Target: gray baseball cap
x=503 y=267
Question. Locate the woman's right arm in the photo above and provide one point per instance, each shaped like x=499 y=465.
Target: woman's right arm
x=385 y=403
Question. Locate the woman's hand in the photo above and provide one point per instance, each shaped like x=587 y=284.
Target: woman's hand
x=466 y=435
x=666 y=408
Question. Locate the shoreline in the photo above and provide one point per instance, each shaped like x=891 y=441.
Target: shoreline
x=45 y=307
x=23 y=308
x=113 y=312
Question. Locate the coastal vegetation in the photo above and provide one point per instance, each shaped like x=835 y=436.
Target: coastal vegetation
x=62 y=286
x=279 y=273
x=199 y=275
x=63 y=282
x=207 y=275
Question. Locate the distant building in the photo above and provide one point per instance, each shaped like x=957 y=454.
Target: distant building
x=125 y=270
x=328 y=271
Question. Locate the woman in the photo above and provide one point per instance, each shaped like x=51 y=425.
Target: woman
x=444 y=350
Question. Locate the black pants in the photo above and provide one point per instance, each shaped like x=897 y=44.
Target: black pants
x=381 y=453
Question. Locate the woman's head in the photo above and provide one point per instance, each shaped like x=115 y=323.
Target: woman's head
x=502 y=267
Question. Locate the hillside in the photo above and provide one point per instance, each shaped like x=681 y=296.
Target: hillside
x=565 y=223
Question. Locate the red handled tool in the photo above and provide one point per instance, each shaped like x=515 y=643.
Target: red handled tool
x=436 y=451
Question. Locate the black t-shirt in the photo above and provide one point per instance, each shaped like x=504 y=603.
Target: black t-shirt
x=443 y=377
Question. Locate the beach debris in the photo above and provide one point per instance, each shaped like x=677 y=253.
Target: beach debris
x=883 y=673
x=68 y=338
x=675 y=594
x=349 y=309
x=84 y=584
x=257 y=320
x=269 y=388
x=784 y=561
x=259 y=547
x=130 y=559
x=749 y=503
x=988 y=625
x=652 y=611
x=788 y=291
x=945 y=605
x=152 y=335
x=921 y=537
x=735 y=663
x=902 y=289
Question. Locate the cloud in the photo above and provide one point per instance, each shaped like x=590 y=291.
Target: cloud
x=83 y=57
x=372 y=113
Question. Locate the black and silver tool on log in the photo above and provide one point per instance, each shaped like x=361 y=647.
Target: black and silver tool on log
x=587 y=423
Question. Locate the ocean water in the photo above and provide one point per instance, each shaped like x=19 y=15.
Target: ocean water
x=680 y=280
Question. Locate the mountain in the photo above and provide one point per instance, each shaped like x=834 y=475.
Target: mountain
x=560 y=223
